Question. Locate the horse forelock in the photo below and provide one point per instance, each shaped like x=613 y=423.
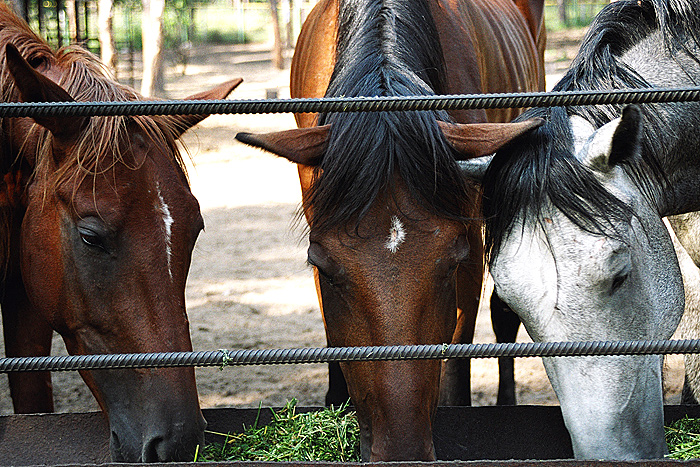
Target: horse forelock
x=104 y=141
x=386 y=48
x=85 y=78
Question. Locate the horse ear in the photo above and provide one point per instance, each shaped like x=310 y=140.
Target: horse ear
x=302 y=145
x=627 y=140
x=614 y=142
x=35 y=87
x=182 y=123
x=474 y=140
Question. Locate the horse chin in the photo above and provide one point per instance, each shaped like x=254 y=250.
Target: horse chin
x=375 y=446
x=370 y=453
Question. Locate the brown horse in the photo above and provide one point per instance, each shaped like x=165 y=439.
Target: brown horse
x=394 y=242
x=97 y=229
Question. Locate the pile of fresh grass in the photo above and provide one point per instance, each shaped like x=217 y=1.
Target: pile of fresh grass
x=683 y=438
x=330 y=434
x=333 y=435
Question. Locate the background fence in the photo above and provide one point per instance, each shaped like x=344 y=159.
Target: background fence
x=191 y=22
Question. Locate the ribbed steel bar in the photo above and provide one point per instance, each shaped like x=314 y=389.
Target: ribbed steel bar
x=224 y=358
x=352 y=104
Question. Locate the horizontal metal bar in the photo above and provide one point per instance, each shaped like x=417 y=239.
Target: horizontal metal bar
x=224 y=358
x=352 y=104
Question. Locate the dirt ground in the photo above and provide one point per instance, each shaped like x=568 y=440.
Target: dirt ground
x=249 y=286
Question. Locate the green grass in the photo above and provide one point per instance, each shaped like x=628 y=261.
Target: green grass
x=331 y=435
x=683 y=438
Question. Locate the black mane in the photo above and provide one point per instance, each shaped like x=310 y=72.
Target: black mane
x=540 y=168
x=386 y=48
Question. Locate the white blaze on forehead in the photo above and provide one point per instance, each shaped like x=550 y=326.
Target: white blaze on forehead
x=397 y=235
x=167 y=227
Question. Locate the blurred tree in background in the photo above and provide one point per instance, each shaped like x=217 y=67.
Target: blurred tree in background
x=571 y=13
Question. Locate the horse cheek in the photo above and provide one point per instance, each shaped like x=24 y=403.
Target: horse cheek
x=41 y=262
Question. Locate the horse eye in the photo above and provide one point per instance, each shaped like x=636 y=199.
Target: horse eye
x=326 y=267
x=320 y=270
x=620 y=267
x=618 y=281
x=91 y=238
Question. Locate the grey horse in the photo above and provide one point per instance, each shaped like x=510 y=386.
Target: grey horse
x=573 y=209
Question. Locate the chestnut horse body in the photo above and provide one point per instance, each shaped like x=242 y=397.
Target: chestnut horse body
x=396 y=249
x=98 y=225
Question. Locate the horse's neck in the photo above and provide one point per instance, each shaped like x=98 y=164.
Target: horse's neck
x=487 y=56
x=671 y=128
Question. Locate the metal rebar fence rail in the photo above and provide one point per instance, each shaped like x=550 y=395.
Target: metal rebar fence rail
x=223 y=358
x=352 y=104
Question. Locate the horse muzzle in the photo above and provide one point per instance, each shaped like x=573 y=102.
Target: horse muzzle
x=174 y=443
x=396 y=410
x=154 y=415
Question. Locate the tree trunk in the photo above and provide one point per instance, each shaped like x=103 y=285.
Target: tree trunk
x=277 y=58
x=289 y=23
x=105 y=24
x=563 y=17
x=59 y=33
x=72 y=16
x=152 y=36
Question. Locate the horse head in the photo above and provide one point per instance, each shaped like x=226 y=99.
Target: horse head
x=396 y=276
x=579 y=251
x=106 y=239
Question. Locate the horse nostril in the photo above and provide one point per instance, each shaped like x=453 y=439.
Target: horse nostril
x=155 y=450
x=176 y=447
x=116 y=448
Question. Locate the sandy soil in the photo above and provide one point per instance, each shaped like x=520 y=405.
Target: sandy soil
x=249 y=286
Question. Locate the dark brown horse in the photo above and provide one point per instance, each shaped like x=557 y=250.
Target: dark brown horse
x=97 y=228
x=394 y=242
